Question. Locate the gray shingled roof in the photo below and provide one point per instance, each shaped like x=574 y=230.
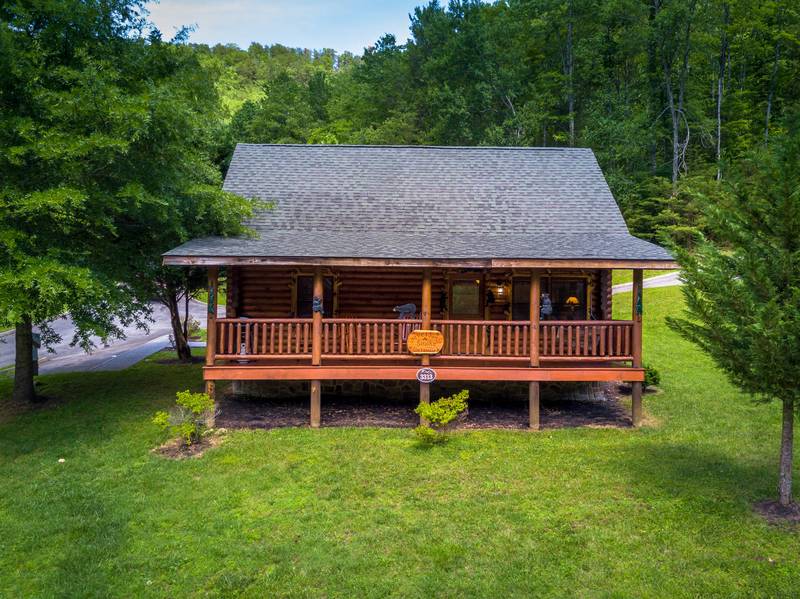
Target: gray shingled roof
x=418 y=202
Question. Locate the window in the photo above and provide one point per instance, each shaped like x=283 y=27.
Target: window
x=567 y=296
x=465 y=299
x=521 y=300
x=569 y=299
x=305 y=296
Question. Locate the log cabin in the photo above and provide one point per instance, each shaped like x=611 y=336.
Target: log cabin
x=423 y=264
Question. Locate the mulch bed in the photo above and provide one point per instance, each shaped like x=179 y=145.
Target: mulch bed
x=774 y=513
x=176 y=449
x=599 y=408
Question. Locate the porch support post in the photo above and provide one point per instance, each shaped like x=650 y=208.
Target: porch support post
x=211 y=332
x=425 y=388
x=536 y=292
x=533 y=386
x=636 y=316
x=316 y=346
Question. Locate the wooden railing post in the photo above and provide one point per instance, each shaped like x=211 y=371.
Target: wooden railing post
x=425 y=388
x=211 y=330
x=316 y=345
x=211 y=323
x=636 y=317
x=533 y=386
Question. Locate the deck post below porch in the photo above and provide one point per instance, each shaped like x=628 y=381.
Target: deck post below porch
x=316 y=346
x=211 y=333
x=636 y=317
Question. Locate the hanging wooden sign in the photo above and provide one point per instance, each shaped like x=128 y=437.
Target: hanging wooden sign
x=426 y=343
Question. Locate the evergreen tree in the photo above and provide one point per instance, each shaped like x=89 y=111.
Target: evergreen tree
x=743 y=286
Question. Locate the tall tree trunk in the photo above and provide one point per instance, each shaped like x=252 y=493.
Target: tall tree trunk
x=570 y=68
x=24 y=391
x=655 y=85
x=773 y=80
x=181 y=344
x=787 y=436
x=186 y=312
x=723 y=60
x=675 y=117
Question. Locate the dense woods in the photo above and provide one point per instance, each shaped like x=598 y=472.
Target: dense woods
x=667 y=92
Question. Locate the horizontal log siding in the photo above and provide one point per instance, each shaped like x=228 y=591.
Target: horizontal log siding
x=372 y=293
x=260 y=292
x=605 y=294
x=266 y=292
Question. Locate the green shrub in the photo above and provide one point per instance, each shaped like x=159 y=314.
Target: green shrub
x=651 y=376
x=188 y=419
x=439 y=415
x=194 y=328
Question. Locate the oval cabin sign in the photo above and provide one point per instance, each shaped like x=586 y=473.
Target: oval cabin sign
x=422 y=342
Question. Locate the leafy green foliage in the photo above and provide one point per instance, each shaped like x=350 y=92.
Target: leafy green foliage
x=107 y=135
x=439 y=415
x=652 y=377
x=743 y=281
x=188 y=420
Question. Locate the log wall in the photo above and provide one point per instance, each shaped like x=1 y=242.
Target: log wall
x=269 y=292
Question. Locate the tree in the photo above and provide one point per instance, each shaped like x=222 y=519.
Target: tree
x=743 y=283
x=104 y=138
x=69 y=110
x=174 y=190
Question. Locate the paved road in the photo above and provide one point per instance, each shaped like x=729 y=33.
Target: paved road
x=118 y=354
x=667 y=280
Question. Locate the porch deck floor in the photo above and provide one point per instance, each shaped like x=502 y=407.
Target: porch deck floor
x=586 y=405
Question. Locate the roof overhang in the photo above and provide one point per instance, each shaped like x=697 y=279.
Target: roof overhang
x=176 y=260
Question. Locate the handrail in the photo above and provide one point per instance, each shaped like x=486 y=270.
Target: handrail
x=385 y=338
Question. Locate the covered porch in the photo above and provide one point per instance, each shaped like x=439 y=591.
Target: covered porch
x=323 y=323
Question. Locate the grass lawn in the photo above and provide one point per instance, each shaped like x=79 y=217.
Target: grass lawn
x=202 y=296
x=626 y=276
x=661 y=511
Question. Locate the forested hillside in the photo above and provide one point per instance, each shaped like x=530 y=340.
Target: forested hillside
x=667 y=92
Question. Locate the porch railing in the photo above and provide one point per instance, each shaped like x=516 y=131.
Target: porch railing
x=484 y=338
x=349 y=338
x=267 y=338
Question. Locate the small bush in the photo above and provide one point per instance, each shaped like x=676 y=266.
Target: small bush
x=188 y=418
x=651 y=376
x=439 y=415
x=194 y=328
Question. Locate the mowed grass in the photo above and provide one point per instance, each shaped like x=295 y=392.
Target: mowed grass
x=626 y=276
x=664 y=511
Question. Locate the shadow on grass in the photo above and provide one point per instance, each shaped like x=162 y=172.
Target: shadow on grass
x=702 y=476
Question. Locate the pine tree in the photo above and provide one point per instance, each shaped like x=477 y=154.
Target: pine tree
x=743 y=283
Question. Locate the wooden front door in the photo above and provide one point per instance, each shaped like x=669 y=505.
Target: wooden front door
x=466 y=298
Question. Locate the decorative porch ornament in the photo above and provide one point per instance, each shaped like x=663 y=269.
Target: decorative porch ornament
x=212 y=299
x=316 y=304
x=547 y=305
x=425 y=342
x=426 y=375
x=639 y=308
